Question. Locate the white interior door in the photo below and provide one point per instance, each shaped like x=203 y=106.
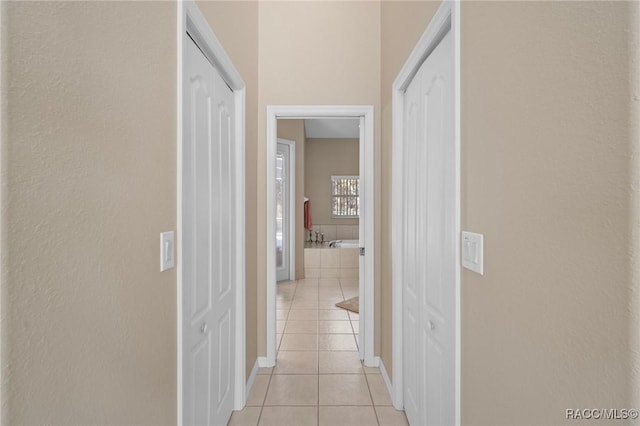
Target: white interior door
x=283 y=209
x=362 y=241
x=208 y=256
x=429 y=238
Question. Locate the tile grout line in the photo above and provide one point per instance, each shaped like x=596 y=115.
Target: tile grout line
x=264 y=399
x=351 y=324
x=366 y=378
x=273 y=369
x=373 y=403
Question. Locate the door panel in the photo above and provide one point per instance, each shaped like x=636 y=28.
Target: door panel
x=283 y=212
x=428 y=236
x=224 y=304
x=225 y=201
x=412 y=398
x=436 y=366
x=207 y=241
x=201 y=402
x=362 y=240
x=224 y=357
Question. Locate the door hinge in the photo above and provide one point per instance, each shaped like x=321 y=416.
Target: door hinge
x=361 y=251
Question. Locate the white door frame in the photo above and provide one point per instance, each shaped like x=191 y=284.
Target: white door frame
x=446 y=18
x=292 y=206
x=191 y=20
x=366 y=208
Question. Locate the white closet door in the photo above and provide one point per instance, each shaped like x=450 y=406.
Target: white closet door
x=429 y=241
x=208 y=256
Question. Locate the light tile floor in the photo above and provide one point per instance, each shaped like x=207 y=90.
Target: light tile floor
x=319 y=378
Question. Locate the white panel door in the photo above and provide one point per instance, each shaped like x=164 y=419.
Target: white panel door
x=429 y=241
x=208 y=255
x=283 y=212
x=362 y=242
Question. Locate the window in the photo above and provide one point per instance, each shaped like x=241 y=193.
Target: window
x=345 y=196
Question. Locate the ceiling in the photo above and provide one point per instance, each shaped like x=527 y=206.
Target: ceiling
x=332 y=128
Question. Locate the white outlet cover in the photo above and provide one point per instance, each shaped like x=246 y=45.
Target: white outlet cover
x=472 y=247
x=167 y=251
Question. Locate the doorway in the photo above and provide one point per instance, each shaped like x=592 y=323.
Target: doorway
x=426 y=226
x=366 y=237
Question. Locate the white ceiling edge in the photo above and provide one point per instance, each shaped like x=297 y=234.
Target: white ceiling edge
x=332 y=128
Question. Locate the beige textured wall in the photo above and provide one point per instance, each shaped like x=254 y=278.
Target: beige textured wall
x=634 y=182
x=326 y=158
x=4 y=305
x=235 y=24
x=293 y=130
x=402 y=24
x=313 y=52
x=546 y=146
x=89 y=184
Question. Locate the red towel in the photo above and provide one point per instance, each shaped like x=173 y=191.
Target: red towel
x=307 y=214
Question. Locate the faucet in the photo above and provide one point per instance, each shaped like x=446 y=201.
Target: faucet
x=322 y=238
x=316 y=237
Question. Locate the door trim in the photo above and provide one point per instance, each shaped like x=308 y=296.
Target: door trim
x=292 y=206
x=191 y=20
x=447 y=18
x=367 y=209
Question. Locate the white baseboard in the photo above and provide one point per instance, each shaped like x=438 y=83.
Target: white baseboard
x=263 y=362
x=387 y=381
x=374 y=363
x=250 y=381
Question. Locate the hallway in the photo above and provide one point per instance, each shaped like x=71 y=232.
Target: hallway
x=319 y=378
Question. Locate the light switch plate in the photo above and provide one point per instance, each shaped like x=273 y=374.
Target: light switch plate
x=473 y=252
x=167 y=251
